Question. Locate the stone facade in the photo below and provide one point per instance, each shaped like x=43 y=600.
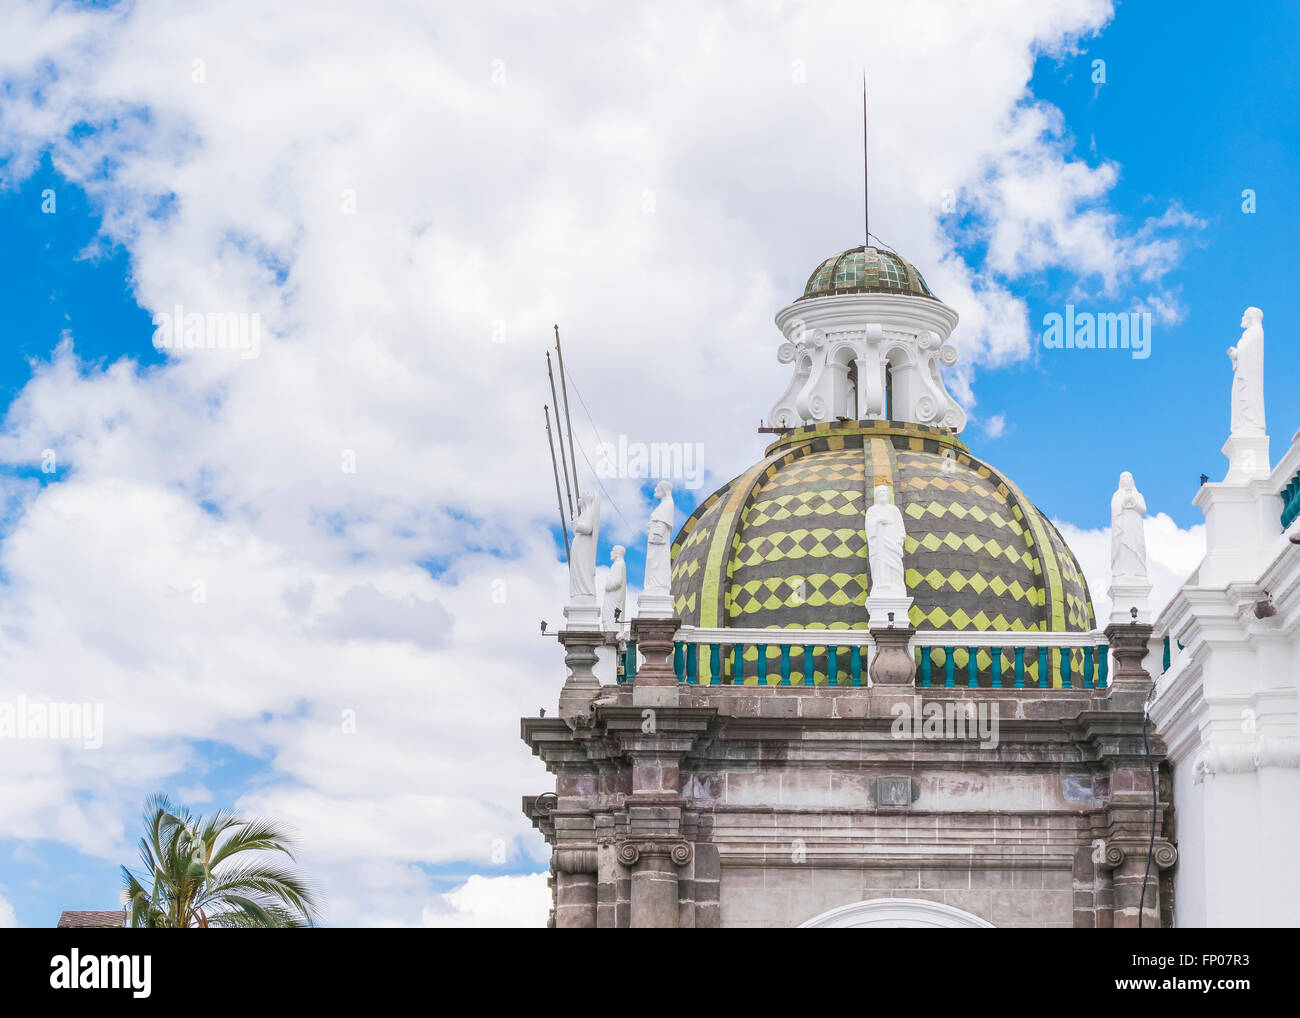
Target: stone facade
x=745 y=805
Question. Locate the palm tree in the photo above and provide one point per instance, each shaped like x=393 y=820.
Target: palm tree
x=197 y=880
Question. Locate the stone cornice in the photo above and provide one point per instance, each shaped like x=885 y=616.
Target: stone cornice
x=1246 y=491
x=611 y=731
x=1214 y=615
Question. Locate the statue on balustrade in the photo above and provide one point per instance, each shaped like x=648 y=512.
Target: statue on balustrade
x=658 y=556
x=615 y=591
x=1128 y=546
x=885 y=537
x=1248 y=376
x=582 y=552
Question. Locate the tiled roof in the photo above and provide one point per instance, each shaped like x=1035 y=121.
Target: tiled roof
x=783 y=546
x=866 y=270
x=92 y=920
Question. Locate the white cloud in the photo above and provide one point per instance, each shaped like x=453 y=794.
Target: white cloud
x=194 y=796
x=658 y=179
x=494 y=901
x=8 y=921
x=995 y=426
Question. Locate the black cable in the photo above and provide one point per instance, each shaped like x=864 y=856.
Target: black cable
x=1155 y=816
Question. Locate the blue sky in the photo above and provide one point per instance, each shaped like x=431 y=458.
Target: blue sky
x=1195 y=109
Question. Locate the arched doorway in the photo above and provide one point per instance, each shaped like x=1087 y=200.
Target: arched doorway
x=896 y=913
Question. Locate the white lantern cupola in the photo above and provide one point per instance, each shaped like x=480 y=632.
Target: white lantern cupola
x=867 y=341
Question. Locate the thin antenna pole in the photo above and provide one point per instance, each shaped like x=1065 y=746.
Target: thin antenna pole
x=568 y=422
x=866 y=191
x=567 y=490
x=564 y=526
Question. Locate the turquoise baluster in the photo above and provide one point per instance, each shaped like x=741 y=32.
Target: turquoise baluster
x=679 y=660
x=693 y=664
x=1065 y=667
x=737 y=664
x=762 y=663
x=925 y=666
x=1087 y=668
x=1044 y=671
x=832 y=666
x=1020 y=668
x=809 y=666
x=629 y=661
x=1103 y=665
x=972 y=668
x=1165 y=667
x=949 y=663
x=997 y=668
x=785 y=664
x=715 y=664
x=855 y=666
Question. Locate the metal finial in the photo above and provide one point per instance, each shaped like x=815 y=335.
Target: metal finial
x=866 y=200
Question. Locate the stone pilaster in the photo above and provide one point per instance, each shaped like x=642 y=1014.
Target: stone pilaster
x=654 y=863
x=1127 y=862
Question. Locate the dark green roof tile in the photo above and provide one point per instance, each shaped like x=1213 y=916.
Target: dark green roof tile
x=866 y=270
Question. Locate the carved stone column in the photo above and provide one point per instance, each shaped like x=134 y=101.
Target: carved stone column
x=656 y=682
x=654 y=866
x=892 y=664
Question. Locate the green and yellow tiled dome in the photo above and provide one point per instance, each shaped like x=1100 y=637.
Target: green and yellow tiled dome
x=866 y=270
x=782 y=546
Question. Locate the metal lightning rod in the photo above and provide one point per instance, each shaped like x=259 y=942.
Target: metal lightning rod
x=568 y=422
x=866 y=200
x=567 y=490
x=564 y=526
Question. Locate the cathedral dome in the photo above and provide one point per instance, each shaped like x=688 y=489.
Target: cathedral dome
x=782 y=546
x=866 y=270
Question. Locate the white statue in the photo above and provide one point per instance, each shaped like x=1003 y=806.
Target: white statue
x=1248 y=376
x=582 y=552
x=1128 y=546
x=885 y=535
x=658 y=555
x=615 y=591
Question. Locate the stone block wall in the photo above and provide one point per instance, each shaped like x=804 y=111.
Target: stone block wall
x=741 y=806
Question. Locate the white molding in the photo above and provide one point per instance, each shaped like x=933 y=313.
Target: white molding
x=777 y=637
x=1010 y=638
x=896 y=913
x=847 y=312
x=1288 y=465
x=1243 y=757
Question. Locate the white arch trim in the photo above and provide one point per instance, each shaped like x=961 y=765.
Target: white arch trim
x=896 y=913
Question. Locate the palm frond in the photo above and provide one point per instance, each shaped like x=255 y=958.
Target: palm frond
x=198 y=879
